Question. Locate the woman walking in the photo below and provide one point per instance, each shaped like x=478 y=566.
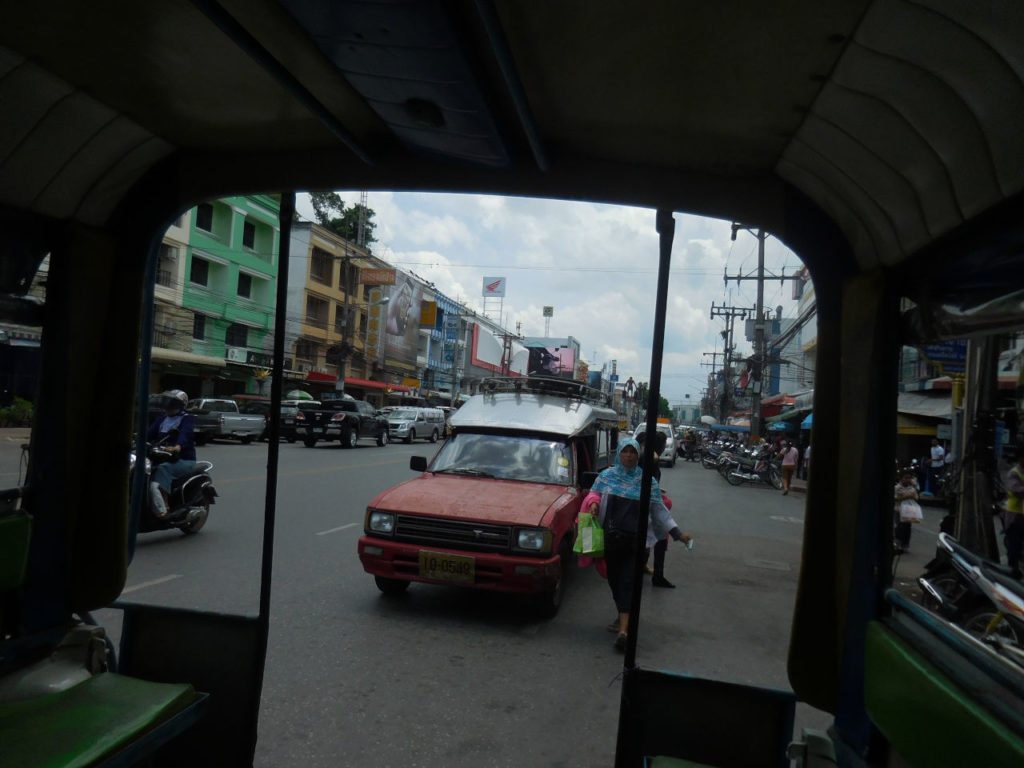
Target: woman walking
x=790 y=456
x=615 y=499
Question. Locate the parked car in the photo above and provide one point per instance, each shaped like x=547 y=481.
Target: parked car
x=495 y=509
x=290 y=410
x=221 y=418
x=345 y=419
x=670 y=454
x=409 y=424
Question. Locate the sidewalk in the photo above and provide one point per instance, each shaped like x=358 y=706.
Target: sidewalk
x=17 y=435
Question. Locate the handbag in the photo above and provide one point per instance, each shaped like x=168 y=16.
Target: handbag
x=589 y=536
x=910 y=511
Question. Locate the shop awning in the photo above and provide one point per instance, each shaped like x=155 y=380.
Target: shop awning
x=366 y=383
x=910 y=425
x=329 y=378
x=162 y=355
x=935 y=406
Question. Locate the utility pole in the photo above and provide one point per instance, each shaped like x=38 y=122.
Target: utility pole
x=346 y=331
x=730 y=314
x=760 y=357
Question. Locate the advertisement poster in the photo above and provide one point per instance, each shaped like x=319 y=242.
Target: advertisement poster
x=552 y=361
x=402 y=320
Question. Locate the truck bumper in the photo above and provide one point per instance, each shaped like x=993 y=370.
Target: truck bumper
x=496 y=573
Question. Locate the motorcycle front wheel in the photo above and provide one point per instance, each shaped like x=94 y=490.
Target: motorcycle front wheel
x=194 y=526
x=734 y=478
x=776 y=479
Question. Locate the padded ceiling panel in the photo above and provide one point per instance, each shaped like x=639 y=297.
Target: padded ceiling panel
x=919 y=125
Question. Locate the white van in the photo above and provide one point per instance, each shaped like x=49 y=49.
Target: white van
x=409 y=424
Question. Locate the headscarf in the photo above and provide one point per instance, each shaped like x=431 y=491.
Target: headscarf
x=619 y=481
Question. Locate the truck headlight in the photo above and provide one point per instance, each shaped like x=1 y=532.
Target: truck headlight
x=380 y=522
x=533 y=540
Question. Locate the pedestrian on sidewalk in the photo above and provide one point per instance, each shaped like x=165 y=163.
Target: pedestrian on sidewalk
x=906 y=490
x=790 y=456
x=614 y=499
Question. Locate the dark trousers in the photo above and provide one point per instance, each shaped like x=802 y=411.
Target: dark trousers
x=618 y=557
x=1013 y=538
x=903 y=534
x=659 y=557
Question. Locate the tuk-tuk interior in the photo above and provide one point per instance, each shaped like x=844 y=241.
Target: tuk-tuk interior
x=879 y=139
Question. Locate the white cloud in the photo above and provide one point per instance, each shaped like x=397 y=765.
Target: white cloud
x=595 y=264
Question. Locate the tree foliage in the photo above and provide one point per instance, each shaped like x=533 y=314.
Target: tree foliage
x=642 y=391
x=331 y=212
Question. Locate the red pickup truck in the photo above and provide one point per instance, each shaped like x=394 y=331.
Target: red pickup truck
x=495 y=508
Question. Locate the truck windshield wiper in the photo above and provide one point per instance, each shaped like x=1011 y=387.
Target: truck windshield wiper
x=463 y=471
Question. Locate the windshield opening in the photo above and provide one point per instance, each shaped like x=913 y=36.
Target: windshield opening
x=506 y=457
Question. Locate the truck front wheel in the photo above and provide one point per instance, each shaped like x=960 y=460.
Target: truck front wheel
x=391 y=587
x=546 y=604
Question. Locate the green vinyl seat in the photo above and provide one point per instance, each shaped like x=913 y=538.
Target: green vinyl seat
x=95 y=722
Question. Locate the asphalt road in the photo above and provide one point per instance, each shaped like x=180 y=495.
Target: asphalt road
x=443 y=676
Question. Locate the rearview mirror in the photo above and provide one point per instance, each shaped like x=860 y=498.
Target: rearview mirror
x=418 y=463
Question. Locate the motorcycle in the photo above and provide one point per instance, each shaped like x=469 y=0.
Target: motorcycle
x=758 y=468
x=190 y=498
x=998 y=620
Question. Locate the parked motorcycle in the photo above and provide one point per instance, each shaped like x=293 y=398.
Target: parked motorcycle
x=754 y=469
x=998 y=621
x=190 y=497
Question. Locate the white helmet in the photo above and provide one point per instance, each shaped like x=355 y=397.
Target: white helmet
x=175 y=398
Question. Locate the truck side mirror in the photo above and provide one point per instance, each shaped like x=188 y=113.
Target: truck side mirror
x=418 y=463
x=588 y=480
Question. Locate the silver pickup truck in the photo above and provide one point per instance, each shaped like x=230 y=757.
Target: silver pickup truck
x=217 y=418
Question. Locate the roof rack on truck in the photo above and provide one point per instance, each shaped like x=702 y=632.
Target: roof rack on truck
x=540 y=385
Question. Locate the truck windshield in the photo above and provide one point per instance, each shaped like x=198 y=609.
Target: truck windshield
x=506 y=457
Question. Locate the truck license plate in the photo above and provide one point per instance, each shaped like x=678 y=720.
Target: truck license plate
x=445 y=567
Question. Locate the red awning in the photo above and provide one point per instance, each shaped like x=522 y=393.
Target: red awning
x=319 y=376
x=366 y=383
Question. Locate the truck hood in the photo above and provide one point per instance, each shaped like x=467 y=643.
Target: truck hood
x=475 y=499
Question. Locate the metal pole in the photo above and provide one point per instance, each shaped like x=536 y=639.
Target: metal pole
x=346 y=333
x=625 y=745
x=759 y=351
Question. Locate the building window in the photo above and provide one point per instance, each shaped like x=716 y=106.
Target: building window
x=165 y=265
x=204 y=217
x=320 y=266
x=199 y=327
x=244 y=285
x=200 y=271
x=237 y=335
x=305 y=350
x=316 y=311
x=249 y=235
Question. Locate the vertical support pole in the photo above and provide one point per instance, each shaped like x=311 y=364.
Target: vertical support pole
x=759 y=347
x=346 y=330
x=625 y=746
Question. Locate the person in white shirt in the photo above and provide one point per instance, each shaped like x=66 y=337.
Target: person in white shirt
x=935 y=466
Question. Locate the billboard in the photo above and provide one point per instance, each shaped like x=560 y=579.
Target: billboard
x=494 y=286
x=552 y=361
x=377 y=276
x=402 y=320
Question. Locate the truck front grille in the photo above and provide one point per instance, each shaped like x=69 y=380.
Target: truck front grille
x=478 y=537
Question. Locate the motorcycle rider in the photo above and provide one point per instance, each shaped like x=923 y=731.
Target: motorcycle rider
x=175 y=431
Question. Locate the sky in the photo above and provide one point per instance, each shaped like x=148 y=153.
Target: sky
x=597 y=265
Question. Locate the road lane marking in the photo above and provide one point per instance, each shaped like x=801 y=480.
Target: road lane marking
x=339 y=528
x=152 y=583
